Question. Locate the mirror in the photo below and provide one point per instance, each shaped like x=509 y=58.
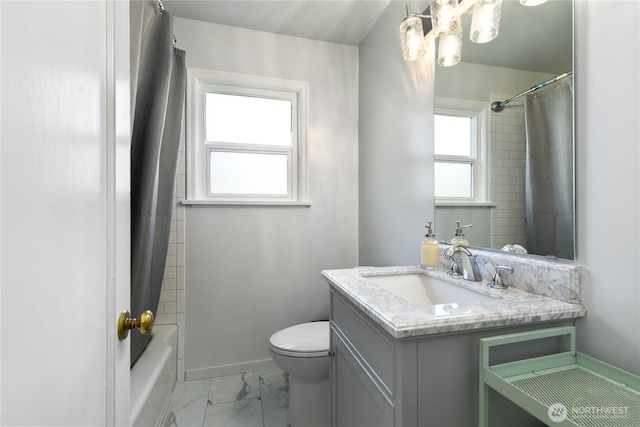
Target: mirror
x=519 y=184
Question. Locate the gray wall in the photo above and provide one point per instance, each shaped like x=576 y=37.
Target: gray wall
x=479 y=216
x=251 y=271
x=481 y=80
x=396 y=157
x=608 y=182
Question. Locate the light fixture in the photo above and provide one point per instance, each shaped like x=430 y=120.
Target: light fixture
x=447 y=26
x=444 y=16
x=450 y=48
x=412 y=36
x=485 y=22
x=445 y=20
x=532 y=2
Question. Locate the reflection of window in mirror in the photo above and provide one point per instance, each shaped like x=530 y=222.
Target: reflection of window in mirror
x=455 y=155
x=460 y=147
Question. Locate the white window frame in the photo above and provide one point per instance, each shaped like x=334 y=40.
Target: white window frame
x=201 y=81
x=479 y=159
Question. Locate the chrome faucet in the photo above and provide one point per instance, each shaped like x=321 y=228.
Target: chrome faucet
x=464 y=265
x=497 y=281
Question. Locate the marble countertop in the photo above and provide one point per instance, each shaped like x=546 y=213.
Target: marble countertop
x=508 y=307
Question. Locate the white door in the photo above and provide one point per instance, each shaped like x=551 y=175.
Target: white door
x=64 y=212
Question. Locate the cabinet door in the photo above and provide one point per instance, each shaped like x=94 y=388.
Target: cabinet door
x=356 y=399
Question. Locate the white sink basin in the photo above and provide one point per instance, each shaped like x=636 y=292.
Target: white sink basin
x=421 y=289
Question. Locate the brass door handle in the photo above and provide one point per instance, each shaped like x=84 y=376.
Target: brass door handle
x=144 y=323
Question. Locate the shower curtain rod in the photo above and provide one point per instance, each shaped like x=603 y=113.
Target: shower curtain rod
x=498 y=106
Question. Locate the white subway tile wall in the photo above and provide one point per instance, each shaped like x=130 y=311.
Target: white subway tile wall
x=508 y=152
x=171 y=308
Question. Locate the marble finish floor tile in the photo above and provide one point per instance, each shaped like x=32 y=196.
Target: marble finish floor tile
x=257 y=399
x=232 y=388
x=189 y=403
x=243 y=413
x=274 y=390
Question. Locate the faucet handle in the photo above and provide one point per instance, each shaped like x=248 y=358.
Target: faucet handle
x=497 y=281
x=454 y=269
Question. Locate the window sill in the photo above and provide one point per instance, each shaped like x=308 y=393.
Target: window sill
x=246 y=203
x=465 y=204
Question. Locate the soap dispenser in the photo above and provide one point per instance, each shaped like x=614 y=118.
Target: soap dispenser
x=458 y=238
x=430 y=250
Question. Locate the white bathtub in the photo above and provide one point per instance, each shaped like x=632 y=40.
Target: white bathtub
x=153 y=377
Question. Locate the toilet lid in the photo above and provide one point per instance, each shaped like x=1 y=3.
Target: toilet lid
x=305 y=338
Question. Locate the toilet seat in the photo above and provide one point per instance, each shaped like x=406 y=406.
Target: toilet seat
x=304 y=340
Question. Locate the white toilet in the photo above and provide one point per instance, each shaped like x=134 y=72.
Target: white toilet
x=303 y=352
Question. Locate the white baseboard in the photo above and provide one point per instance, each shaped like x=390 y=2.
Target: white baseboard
x=235 y=368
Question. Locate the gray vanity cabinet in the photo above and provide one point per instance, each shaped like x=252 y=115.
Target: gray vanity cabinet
x=378 y=380
x=368 y=372
x=357 y=398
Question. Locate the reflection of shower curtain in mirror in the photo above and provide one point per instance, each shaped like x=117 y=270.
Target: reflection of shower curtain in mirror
x=549 y=171
x=160 y=74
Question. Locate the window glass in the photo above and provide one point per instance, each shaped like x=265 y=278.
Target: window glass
x=453 y=135
x=248 y=173
x=247 y=119
x=453 y=179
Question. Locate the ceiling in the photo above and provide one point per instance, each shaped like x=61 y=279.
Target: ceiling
x=536 y=38
x=337 y=21
x=531 y=38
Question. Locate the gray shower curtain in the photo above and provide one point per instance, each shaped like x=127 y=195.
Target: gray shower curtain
x=160 y=77
x=549 y=171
